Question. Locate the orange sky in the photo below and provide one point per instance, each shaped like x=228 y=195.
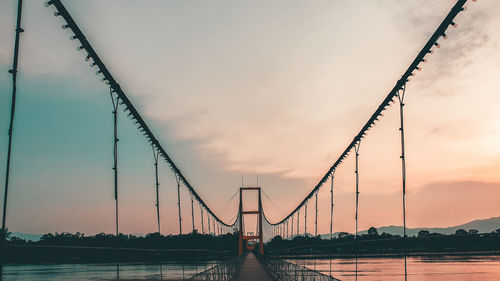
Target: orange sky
x=276 y=89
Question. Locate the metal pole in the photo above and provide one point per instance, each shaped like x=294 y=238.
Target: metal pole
x=155 y=155
x=316 y=218
x=115 y=152
x=192 y=211
x=179 y=203
x=12 y=71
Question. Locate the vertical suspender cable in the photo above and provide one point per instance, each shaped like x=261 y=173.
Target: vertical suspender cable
x=357 y=184
x=331 y=207
x=298 y=222
x=155 y=155
x=209 y=229
x=12 y=71
x=401 y=96
x=201 y=216
x=179 y=202
x=291 y=230
x=192 y=210
x=115 y=152
x=316 y=217
x=305 y=220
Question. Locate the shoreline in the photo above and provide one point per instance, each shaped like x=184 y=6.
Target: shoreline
x=390 y=255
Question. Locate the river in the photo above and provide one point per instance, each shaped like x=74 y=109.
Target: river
x=102 y=271
x=420 y=268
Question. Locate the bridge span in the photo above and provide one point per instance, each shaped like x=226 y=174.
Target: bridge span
x=248 y=266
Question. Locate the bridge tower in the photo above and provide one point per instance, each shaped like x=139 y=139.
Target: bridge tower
x=243 y=238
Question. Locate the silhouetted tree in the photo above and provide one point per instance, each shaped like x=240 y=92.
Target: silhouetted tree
x=423 y=233
x=372 y=231
x=473 y=231
x=460 y=231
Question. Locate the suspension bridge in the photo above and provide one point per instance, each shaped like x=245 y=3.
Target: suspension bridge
x=251 y=266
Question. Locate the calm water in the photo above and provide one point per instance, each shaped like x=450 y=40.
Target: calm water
x=459 y=268
x=102 y=271
x=442 y=268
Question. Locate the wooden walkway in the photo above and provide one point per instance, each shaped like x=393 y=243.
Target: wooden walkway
x=252 y=270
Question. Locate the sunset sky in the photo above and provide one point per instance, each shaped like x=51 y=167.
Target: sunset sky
x=270 y=88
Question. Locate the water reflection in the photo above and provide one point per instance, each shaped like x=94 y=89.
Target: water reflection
x=104 y=271
x=422 y=268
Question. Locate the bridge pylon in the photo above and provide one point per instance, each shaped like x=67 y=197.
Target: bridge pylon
x=243 y=238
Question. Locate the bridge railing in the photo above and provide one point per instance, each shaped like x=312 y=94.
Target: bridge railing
x=225 y=271
x=286 y=271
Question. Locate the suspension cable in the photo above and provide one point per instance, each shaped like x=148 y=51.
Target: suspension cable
x=388 y=100
x=124 y=100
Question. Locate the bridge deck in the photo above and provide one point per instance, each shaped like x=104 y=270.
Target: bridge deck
x=251 y=270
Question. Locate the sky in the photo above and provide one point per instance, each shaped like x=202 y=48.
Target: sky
x=276 y=89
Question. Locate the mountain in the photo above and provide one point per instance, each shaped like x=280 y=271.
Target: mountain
x=483 y=226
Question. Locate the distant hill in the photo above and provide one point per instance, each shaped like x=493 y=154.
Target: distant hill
x=483 y=226
x=27 y=236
